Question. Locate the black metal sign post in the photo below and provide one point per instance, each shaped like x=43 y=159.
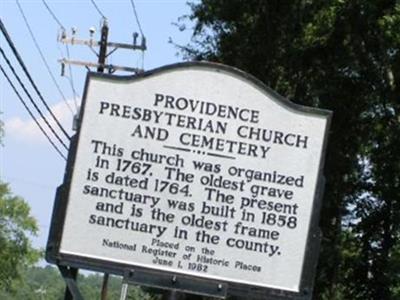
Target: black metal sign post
x=75 y=244
x=70 y=275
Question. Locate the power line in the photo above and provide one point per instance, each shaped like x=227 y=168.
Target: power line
x=98 y=9
x=30 y=113
x=43 y=57
x=71 y=83
x=14 y=50
x=103 y=44
x=53 y=15
x=70 y=78
x=140 y=28
x=31 y=99
x=137 y=18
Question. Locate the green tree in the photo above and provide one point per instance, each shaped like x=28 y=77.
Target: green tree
x=16 y=226
x=38 y=284
x=342 y=55
x=46 y=283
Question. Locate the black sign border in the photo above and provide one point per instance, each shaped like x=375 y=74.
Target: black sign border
x=171 y=280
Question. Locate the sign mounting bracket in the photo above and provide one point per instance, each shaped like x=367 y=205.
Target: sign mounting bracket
x=69 y=276
x=176 y=282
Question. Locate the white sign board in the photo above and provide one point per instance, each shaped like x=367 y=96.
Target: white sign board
x=196 y=170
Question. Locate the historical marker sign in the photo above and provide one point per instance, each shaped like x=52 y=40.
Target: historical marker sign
x=195 y=169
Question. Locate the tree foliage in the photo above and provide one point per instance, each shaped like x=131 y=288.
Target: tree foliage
x=342 y=55
x=46 y=283
x=16 y=226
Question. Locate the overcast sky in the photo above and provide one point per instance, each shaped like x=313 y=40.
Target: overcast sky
x=28 y=162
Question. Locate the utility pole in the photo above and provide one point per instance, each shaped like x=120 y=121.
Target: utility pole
x=101 y=65
x=103 y=45
x=100 y=68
